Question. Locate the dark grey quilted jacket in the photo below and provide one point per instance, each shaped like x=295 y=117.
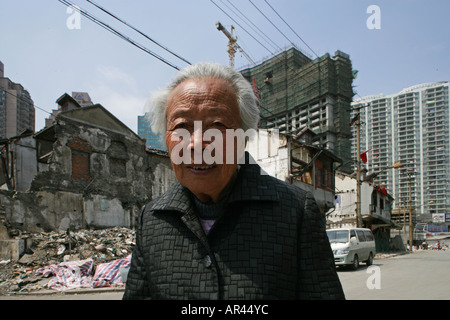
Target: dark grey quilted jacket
x=270 y=244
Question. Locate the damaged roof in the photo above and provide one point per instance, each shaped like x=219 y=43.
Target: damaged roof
x=95 y=115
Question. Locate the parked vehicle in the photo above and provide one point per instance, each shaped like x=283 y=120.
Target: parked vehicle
x=352 y=245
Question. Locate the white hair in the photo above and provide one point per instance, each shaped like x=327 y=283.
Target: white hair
x=248 y=107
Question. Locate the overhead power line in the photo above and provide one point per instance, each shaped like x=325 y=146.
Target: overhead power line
x=291 y=28
x=237 y=23
x=262 y=13
x=138 y=31
x=280 y=58
x=117 y=33
x=252 y=26
x=20 y=98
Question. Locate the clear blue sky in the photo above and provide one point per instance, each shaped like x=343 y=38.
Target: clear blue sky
x=48 y=59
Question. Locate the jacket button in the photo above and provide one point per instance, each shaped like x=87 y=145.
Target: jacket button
x=207 y=262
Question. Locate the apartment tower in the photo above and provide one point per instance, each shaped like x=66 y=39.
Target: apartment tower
x=410 y=127
x=153 y=140
x=17 y=112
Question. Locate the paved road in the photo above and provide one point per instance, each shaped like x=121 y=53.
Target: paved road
x=422 y=275
x=95 y=294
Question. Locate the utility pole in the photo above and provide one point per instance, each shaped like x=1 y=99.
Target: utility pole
x=410 y=216
x=358 y=170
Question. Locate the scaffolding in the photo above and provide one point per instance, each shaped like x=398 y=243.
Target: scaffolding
x=297 y=92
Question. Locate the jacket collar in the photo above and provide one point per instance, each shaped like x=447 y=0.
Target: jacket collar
x=177 y=198
x=252 y=184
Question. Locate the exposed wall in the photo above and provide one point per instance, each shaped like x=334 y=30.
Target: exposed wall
x=272 y=153
x=25 y=166
x=90 y=177
x=344 y=214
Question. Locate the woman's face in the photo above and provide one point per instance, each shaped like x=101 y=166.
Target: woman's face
x=201 y=107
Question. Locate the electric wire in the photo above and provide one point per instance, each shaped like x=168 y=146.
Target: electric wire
x=291 y=28
x=117 y=33
x=17 y=97
x=237 y=23
x=138 y=31
x=273 y=115
x=267 y=18
x=262 y=107
x=141 y=47
x=107 y=27
x=356 y=93
x=252 y=26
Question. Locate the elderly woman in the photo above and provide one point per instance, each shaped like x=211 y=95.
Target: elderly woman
x=224 y=230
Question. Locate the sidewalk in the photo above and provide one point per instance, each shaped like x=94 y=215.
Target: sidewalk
x=49 y=292
x=386 y=255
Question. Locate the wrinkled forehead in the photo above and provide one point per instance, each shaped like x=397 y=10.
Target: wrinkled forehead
x=211 y=85
x=213 y=93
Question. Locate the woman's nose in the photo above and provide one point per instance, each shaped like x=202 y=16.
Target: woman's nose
x=197 y=144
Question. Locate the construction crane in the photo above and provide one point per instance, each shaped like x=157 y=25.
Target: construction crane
x=232 y=44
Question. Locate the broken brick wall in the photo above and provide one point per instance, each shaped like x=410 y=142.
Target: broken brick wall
x=92 y=177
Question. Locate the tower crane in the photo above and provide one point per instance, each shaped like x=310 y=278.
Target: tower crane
x=232 y=44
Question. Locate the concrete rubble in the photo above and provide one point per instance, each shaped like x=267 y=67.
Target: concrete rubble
x=49 y=250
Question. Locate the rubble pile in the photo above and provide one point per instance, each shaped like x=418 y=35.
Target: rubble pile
x=38 y=267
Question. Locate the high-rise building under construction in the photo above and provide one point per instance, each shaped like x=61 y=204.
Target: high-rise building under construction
x=297 y=92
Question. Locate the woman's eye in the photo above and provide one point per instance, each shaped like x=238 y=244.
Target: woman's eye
x=180 y=126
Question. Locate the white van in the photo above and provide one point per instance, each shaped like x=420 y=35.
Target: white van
x=352 y=245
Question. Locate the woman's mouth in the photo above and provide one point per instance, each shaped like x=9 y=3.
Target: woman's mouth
x=201 y=168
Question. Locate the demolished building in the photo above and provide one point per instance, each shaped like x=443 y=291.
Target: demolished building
x=86 y=169
x=295 y=160
x=376 y=210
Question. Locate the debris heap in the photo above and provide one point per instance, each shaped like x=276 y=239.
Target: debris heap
x=50 y=252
